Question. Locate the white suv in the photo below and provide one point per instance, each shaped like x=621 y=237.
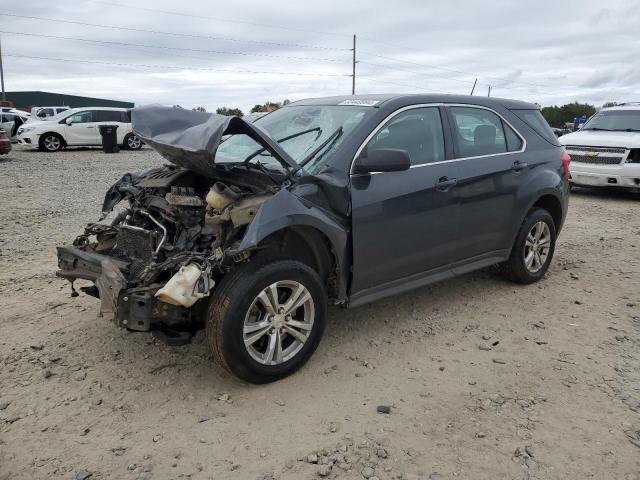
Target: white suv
x=605 y=152
x=79 y=127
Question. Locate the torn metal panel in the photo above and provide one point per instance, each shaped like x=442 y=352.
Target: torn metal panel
x=190 y=139
x=284 y=209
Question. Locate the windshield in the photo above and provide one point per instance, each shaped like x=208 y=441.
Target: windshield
x=301 y=131
x=615 y=120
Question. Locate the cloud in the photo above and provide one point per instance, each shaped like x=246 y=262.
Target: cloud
x=234 y=54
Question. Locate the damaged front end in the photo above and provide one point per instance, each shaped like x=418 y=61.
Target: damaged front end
x=180 y=230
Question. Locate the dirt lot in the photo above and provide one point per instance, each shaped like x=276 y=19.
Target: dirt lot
x=485 y=379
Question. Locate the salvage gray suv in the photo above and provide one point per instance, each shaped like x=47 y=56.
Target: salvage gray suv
x=254 y=228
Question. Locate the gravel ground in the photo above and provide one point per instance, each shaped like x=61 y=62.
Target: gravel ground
x=483 y=378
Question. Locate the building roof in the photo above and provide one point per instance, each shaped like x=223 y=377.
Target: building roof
x=35 y=98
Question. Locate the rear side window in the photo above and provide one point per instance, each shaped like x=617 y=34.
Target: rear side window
x=418 y=131
x=109 y=116
x=478 y=132
x=125 y=116
x=535 y=120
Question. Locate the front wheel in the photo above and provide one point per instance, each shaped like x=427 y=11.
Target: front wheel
x=533 y=249
x=265 y=320
x=50 y=142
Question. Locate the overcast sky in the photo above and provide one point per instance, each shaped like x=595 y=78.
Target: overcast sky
x=240 y=53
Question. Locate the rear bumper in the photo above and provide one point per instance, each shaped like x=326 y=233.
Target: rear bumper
x=625 y=176
x=132 y=308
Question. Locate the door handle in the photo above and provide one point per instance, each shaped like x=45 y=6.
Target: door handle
x=89 y=127
x=445 y=183
x=518 y=165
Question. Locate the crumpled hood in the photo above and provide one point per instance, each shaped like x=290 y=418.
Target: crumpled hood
x=190 y=139
x=594 y=138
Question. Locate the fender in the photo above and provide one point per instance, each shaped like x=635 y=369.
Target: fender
x=541 y=183
x=286 y=209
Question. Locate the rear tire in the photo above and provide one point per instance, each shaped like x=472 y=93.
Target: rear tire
x=132 y=142
x=50 y=142
x=257 y=339
x=533 y=249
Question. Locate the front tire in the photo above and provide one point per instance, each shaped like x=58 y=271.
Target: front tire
x=533 y=249
x=265 y=319
x=50 y=142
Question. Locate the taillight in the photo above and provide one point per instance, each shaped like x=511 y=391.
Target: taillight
x=566 y=160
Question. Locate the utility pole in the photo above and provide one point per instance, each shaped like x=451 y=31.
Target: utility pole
x=353 y=74
x=489 y=91
x=474 y=86
x=4 y=97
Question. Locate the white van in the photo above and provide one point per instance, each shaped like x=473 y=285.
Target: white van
x=79 y=127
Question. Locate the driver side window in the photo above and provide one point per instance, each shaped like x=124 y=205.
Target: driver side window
x=418 y=131
x=82 y=117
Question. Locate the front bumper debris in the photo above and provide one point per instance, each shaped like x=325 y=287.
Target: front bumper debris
x=132 y=308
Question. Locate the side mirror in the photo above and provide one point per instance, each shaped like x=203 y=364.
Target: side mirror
x=68 y=120
x=382 y=160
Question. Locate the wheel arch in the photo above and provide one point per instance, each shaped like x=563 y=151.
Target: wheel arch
x=292 y=225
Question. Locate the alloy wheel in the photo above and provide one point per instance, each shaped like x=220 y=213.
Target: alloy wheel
x=52 y=143
x=537 y=246
x=134 y=142
x=279 y=322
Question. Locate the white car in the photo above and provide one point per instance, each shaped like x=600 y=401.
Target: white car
x=79 y=127
x=605 y=152
x=11 y=120
x=43 y=113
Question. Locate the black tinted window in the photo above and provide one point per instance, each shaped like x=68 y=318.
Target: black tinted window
x=535 y=120
x=418 y=131
x=125 y=116
x=478 y=132
x=109 y=115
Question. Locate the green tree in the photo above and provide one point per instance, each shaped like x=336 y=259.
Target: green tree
x=558 y=116
x=199 y=109
x=256 y=108
x=610 y=104
x=230 y=112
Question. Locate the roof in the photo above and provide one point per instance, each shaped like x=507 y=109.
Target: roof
x=36 y=98
x=623 y=106
x=382 y=99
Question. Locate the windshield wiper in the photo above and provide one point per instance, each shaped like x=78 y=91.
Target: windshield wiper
x=331 y=138
x=626 y=130
x=284 y=139
x=598 y=129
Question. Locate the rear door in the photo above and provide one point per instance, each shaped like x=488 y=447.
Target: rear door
x=83 y=129
x=404 y=223
x=487 y=150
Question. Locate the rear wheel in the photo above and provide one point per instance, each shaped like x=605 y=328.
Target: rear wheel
x=50 y=142
x=132 y=142
x=533 y=249
x=266 y=319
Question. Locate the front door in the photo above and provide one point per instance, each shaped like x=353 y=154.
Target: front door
x=83 y=129
x=403 y=223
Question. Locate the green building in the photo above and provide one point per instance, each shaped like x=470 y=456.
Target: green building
x=26 y=100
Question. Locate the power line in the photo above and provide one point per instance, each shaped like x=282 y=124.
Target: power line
x=218 y=19
x=163 y=47
x=69 y=60
x=175 y=34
